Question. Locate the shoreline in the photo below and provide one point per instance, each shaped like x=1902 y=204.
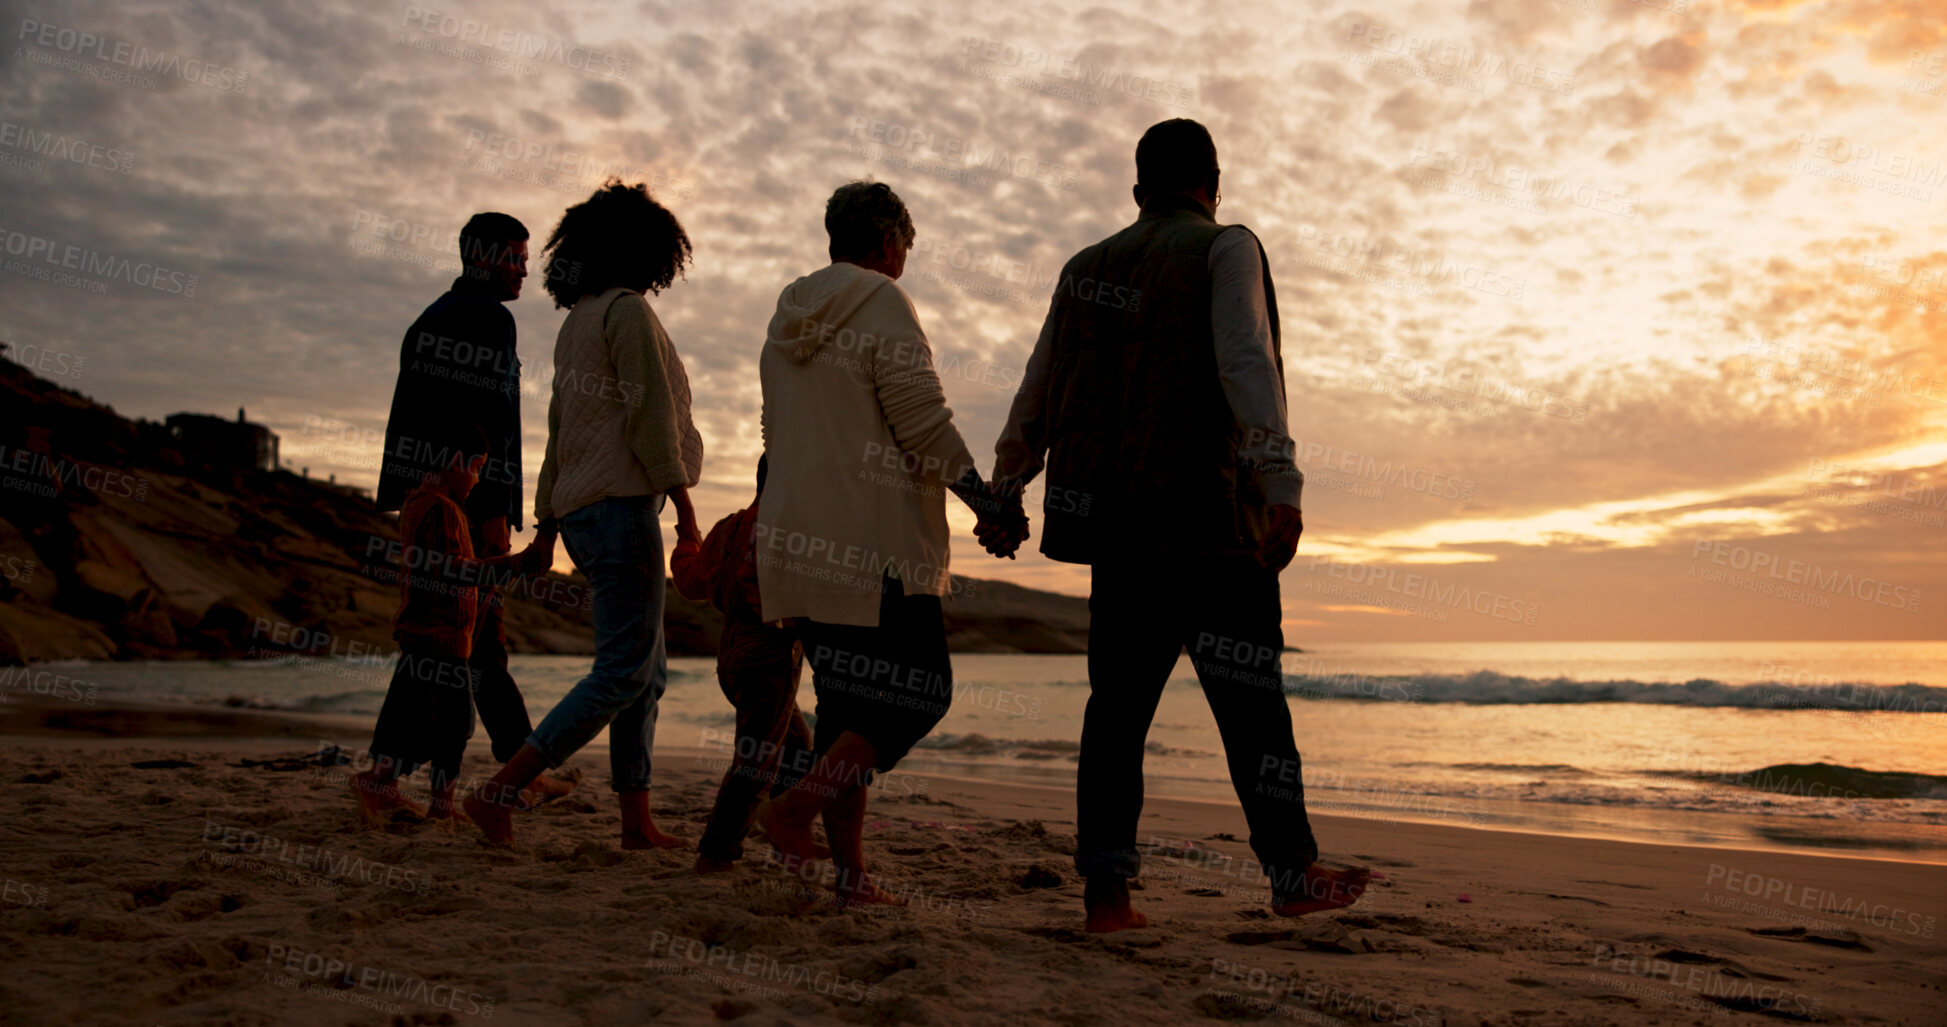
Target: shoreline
x=260 y=729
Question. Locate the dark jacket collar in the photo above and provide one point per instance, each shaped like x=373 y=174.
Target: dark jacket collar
x=1164 y=205
x=477 y=288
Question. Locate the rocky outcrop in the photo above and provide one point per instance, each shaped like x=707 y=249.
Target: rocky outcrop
x=114 y=544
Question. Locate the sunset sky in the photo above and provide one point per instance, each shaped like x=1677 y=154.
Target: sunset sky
x=1602 y=320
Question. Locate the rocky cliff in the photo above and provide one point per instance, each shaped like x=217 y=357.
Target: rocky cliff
x=117 y=544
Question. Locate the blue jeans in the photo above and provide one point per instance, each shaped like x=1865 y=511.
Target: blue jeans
x=618 y=543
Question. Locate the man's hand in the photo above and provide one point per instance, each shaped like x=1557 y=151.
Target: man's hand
x=1281 y=543
x=1002 y=534
x=1003 y=524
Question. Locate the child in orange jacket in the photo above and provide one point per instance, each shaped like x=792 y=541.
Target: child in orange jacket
x=427 y=716
x=758 y=667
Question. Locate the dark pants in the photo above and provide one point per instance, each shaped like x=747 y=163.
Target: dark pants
x=757 y=666
x=427 y=717
x=890 y=684
x=502 y=710
x=1227 y=612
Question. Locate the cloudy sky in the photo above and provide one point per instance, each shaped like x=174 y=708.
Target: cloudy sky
x=1602 y=319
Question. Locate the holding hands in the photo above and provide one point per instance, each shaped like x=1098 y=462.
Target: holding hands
x=538 y=557
x=686 y=529
x=1001 y=525
x=1002 y=529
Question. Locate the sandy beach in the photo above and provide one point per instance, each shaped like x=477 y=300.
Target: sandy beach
x=178 y=877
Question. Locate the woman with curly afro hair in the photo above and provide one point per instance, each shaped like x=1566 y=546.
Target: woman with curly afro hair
x=620 y=442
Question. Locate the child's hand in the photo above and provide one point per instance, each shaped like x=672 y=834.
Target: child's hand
x=539 y=554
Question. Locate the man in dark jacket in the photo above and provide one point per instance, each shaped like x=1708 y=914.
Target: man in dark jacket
x=1156 y=395
x=458 y=366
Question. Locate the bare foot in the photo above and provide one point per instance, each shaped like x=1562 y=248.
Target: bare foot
x=378 y=796
x=651 y=838
x=442 y=808
x=707 y=865
x=1107 y=902
x=547 y=789
x=494 y=819
x=789 y=832
x=1323 y=889
x=760 y=831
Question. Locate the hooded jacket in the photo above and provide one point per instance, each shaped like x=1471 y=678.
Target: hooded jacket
x=862 y=448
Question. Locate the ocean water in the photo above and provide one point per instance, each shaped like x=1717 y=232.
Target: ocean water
x=1811 y=746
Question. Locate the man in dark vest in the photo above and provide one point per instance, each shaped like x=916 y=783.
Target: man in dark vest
x=1156 y=395
x=458 y=365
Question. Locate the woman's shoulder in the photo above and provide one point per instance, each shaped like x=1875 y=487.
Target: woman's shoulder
x=625 y=310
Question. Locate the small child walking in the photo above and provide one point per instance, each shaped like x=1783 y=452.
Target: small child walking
x=427 y=716
x=758 y=667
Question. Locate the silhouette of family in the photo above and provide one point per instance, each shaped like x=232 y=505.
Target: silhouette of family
x=1153 y=402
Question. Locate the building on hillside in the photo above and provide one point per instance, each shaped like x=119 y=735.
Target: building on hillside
x=214 y=442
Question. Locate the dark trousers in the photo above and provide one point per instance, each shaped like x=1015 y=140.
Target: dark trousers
x=1142 y=615
x=757 y=667
x=503 y=712
x=888 y=684
x=427 y=717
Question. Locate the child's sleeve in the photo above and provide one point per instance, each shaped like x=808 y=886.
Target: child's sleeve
x=685 y=572
x=705 y=570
